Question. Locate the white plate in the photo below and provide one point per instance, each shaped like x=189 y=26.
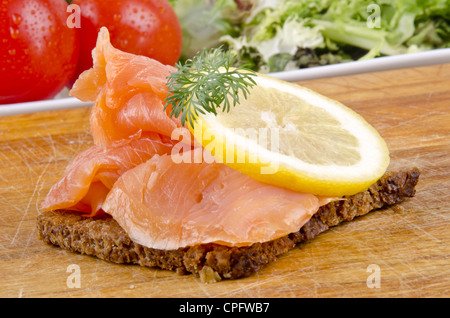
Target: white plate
x=61 y=101
x=441 y=56
x=385 y=63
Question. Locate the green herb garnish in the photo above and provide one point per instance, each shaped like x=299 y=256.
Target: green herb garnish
x=206 y=83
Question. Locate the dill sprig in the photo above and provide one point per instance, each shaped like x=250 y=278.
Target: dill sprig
x=205 y=84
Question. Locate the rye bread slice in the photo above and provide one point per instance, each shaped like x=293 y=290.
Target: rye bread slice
x=103 y=237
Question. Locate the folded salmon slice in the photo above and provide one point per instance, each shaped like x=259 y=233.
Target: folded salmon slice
x=164 y=205
x=128 y=124
x=93 y=172
x=129 y=92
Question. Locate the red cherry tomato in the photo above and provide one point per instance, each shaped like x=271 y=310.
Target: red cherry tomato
x=144 y=27
x=38 y=51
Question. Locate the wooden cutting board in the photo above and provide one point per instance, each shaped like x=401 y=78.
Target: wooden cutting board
x=407 y=248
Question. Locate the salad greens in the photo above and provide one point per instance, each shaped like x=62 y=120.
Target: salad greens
x=279 y=35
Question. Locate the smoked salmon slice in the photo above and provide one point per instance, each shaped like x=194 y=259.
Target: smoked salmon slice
x=128 y=91
x=128 y=124
x=164 y=205
x=93 y=172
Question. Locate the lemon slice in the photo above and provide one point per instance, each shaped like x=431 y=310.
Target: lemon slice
x=289 y=136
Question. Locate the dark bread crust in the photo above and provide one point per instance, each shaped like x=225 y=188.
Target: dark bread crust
x=104 y=238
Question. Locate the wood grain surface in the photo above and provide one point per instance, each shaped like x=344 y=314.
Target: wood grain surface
x=408 y=246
